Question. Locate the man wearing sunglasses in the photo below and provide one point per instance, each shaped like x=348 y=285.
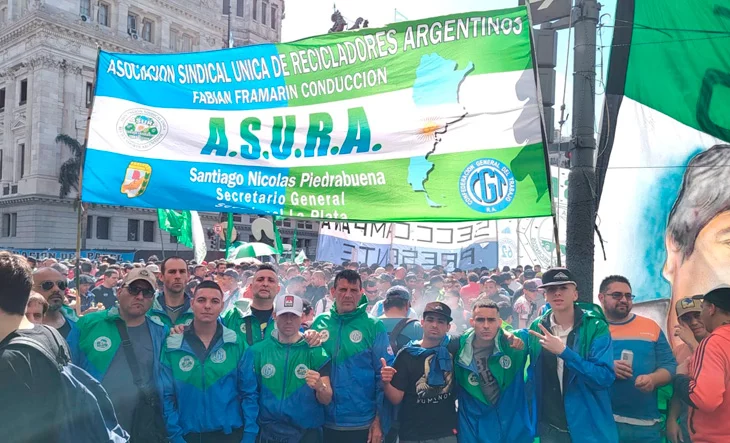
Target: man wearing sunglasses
x=643 y=362
x=52 y=286
x=97 y=348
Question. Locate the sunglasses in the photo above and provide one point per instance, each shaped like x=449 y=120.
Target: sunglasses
x=619 y=295
x=136 y=290
x=48 y=285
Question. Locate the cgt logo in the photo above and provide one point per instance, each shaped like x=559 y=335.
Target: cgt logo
x=487 y=185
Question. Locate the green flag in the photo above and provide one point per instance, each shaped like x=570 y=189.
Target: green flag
x=177 y=223
x=277 y=237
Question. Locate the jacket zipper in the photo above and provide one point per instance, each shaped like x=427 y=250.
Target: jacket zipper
x=283 y=387
x=334 y=366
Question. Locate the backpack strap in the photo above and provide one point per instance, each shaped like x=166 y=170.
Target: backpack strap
x=396 y=332
x=249 y=330
x=129 y=353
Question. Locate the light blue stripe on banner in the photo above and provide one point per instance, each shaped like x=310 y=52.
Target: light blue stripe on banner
x=230 y=79
x=116 y=179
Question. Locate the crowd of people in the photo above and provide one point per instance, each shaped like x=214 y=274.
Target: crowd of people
x=319 y=352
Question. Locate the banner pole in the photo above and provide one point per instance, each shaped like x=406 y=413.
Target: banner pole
x=79 y=202
x=162 y=245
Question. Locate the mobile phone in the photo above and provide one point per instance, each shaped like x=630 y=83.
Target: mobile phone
x=628 y=356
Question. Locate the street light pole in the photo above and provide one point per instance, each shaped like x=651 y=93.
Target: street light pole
x=582 y=178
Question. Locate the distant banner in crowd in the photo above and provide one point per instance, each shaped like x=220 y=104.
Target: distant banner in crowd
x=430 y=120
x=70 y=254
x=531 y=241
x=452 y=245
x=664 y=160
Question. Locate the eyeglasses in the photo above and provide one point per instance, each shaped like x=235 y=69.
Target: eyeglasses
x=136 y=290
x=619 y=295
x=48 y=285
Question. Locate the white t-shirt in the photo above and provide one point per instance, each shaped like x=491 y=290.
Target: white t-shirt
x=562 y=334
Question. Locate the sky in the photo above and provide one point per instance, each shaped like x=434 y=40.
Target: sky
x=306 y=18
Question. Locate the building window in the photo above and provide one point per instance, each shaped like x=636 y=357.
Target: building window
x=187 y=43
x=102 y=227
x=1 y=164
x=23 y=92
x=2 y=99
x=254 y=14
x=174 y=39
x=304 y=225
x=147 y=30
x=274 y=14
x=103 y=14
x=21 y=151
x=239 y=8
x=89 y=94
x=85 y=7
x=287 y=223
x=132 y=25
x=226 y=7
x=173 y=239
x=3 y=15
x=148 y=234
x=264 y=7
x=10 y=224
x=89 y=225
x=132 y=230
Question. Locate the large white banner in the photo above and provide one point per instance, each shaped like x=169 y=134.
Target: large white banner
x=451 y=245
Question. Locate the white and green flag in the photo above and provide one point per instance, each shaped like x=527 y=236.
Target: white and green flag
x=429 y=120
x=187 y=229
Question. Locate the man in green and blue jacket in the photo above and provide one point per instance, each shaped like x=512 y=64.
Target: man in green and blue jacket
x=356 y=342
x=252 y=321
x=292 y=380
x=96 y=344
x=202 y=378
x=490 y=373
x=171 y=306
x=571 y=367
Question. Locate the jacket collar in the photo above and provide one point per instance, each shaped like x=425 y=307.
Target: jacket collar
x=466 y=354
x=175 y=341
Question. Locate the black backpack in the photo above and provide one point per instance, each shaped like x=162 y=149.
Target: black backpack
x=89 y=415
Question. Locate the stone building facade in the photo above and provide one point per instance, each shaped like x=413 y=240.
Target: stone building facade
x=48 y=51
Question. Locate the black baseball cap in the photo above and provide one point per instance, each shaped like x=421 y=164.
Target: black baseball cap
x=436 y=307
x=557 y=277
x=719 y=297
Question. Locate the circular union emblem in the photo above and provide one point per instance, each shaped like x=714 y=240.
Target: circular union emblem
x=102 y=344
x=356 y=336
x=218 y=356
x=324 y=335
x=473 y=380
x=487 y=185
x=505 y=362
x=268 y=370
x=186 y=363
x=141 y=129
x=301 y=371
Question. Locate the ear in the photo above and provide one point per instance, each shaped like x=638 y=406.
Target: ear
x=674 y=258
x=601 y=297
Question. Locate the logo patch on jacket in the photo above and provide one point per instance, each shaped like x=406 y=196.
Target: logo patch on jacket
x=301 y=371
x=324 y=335
x=505 y=362
x=186 y=363
x=356 y=336
x=268 y=370
x=218 y=356
x=102 y=344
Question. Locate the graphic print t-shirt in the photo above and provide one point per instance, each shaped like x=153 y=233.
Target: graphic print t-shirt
x=427 y=412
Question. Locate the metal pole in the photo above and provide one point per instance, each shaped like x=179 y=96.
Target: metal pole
x=230 y=24
x=162 y=245
x=582 y=177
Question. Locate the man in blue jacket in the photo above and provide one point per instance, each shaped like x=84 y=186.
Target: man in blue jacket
x=356 y=342
x=202 y=378
x=571 y=367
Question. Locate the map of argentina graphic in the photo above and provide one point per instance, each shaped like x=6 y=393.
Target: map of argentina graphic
x=436 y=94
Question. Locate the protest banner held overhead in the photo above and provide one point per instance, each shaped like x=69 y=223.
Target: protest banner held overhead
x=431 y=120
x=450 y=245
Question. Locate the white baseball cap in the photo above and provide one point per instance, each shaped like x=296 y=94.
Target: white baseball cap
x=289 y=303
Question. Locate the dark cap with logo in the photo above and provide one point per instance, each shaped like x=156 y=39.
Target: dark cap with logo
x=436 y=307
x=557 y=277
x=719 y=297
